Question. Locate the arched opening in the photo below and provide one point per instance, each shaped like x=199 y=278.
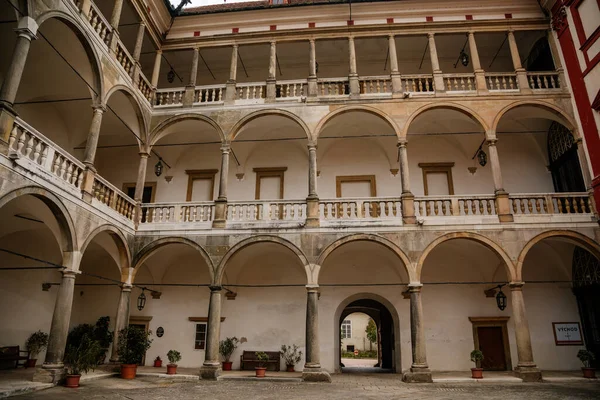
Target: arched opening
x=564 y=161
x=460 y=279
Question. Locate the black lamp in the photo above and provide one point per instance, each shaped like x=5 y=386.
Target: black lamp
x=464 y=58
x=482 y=157
x=158 y=168
x=501 y=299
x=141 y=301
x=171 y=75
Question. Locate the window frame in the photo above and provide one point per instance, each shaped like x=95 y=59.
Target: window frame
x=200 y=174
x=270 y=172
x=129 y=185
x=355 y=178
x=202 y=345
x=348 y=324
x=437 y=168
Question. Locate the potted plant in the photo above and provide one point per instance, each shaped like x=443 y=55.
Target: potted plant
x=477 y=357
x=157 y=362
x=586 y=357
x=174 y=357
x=226 y=349
x=291 y=355
x=37 y=342
x=262 y=358
x=103 y=336
x=133 y=344
x=81 y=358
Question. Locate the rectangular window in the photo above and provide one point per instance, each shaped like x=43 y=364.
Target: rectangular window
x=346 y=329
x=200 y=342
x=148 y=194
x=269 y=183
x=201 y=184
x=350 y=348
x=437 y=179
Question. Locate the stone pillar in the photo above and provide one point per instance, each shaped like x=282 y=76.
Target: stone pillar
x=353 y=75
x=230 y=85
x=502 y=200
x=408 y=199
x=556 y=58
x=114 y=23
x=583 y=163
x=121 y=320
x=394 y=72
x=526 y=368
x=272 y=78
x=155 y=74
x=221 y=202
x=438 y=79
x=312 y=70
x=479 y=74
x=312 y=368
x=211 y=368
x=90 y=153
x=190 y=89
x=137 y=51
x=26 y=30
x=53 y=370
x=516 y=59
x=139 y=187
x=419 y=370
x=312 y=201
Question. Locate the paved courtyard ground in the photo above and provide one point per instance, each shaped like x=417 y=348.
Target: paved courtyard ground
x=343 y=387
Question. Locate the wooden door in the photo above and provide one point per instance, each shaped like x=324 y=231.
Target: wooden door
x=491 y=344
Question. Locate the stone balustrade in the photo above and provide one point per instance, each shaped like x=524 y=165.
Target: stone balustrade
x=266 y=211
x=251 y=92
x=169 y=97
x=295 y=89
x=554 y=203
x=145 y=88
x=112 y=197
x=418 y=84
x=460 y=83
x=99 y=24
x=209 y=94
x=333 y=87
x=449 y=206
x=544 y=80
x=189 y=212
x=124 y=58
x=502 y=82
x=360 y=209
x=375 y=85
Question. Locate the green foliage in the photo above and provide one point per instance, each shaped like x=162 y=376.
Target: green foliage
x=174 y=356
x=261 y=358
x=361 y=354
x=99 y=332
x=36 y=343
x=133 y=344
x=586 y=357
x=477 y=357
x=291 y=354
x=227 y=347
x=83 y=356
x=371 y=331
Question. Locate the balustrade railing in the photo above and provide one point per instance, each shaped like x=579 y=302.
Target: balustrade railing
x=554 y=203
x=360 y=209
x=169 y=97
x=502 y=82
x=99 y=24
x=375 y=85
x=145 y=87
x=291 y=89
x=109 y=195
x=460 y=82
x=333 y=87
x=265 y=211
x=544 y=80
x=209 y=94
x=160 y=213
x=448 y=206
x=251 y=91
x=417 y=84
x=124 y=58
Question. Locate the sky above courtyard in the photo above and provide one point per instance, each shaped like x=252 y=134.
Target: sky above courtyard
x=196 y=3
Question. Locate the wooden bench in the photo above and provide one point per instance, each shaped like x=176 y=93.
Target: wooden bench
x=10 y=354
x=248 y=360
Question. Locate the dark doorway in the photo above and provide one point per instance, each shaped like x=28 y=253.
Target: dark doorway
x=586 y=286
x=564 y=161
x=491 y=344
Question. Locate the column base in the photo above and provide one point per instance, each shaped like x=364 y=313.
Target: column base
x=210 y=372
x=528 y=374
x=312 y=213
x=315 y=375
x=417 y=375
x=49 y=374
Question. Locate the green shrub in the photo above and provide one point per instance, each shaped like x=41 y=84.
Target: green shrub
x=174 y=356
x=262 y=358
x=477 y=357
x=291 y=354
x=133 y=344
x=586 y=357
x=83 y=356
x=227 y=347
x=36 y=343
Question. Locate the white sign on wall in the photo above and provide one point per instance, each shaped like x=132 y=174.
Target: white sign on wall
x=567 y=333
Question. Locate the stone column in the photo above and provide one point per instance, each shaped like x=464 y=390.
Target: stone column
x=583 y=163
x=502 y=200
x=353 y=75
x=312 y=70
x=479 y=74
x=312 y=201
x=190 y=89
x=90 y=153
x=211 y=368
x=52 y=370
x=26 y=30
x=419 y=370
x=272 y=78
x=114 y=23
x=526 y=368
x=137 y=51
x=556 y=58
x=408 y=199
x=394 y=72
x=230 y=85
x=516 y=59
x=312 y=367
x=155 y=74
x=139 y=187
x=438 y=79
x=221 y=202
x=121 y=320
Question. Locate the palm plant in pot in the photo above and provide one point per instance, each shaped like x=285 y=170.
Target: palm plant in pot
x=133 y=344
x=37 y=342
x=261 y=358
x=477 y=357
x=587 y=357
x=226 y=349
x=81 y=358
x=291 y=355
x=174 y=357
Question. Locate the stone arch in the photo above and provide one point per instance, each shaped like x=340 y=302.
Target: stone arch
x=128 y=92
x=233 y=133
x=86 y=42
x=68 y=235
x=158 y=132
x=564 y=118
x=574 y=237
x=260 y=239
x=346 y=109
x=452 y=106
x=372 y=238
x=151 y=247
x=120 y=242
x=490 y=244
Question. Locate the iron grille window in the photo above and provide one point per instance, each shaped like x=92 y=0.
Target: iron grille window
x=200 y=343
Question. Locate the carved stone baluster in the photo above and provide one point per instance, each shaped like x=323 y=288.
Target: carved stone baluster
x=21 y=142
x=568 y=205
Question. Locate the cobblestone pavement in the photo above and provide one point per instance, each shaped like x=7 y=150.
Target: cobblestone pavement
x=346 y=386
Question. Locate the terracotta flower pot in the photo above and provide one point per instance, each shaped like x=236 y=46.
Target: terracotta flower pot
x=30 y=363
x=260 y=371
x=128 y=371
x=72 y=381
x=589 y=373
x=171 y=369
x=477 y=373
x=289 y=368
x=157 y=363
x=227 y=365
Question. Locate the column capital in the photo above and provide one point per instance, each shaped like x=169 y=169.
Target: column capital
x=142 y=23
x=311 y=40
x=126 y=287
x=235 y=45
x=351 y=38
x=99 y=108
x=312 y=288
x=402 y=142
x=516 y=286
x=430 y=35
x=144 y=154
x=491 y=141
x=273 y=42
x=391 y=36
x=159 y=51
x=69 y=273
x=415 y=287
x=578 y=140
x=215 y=288
x=312 y=146
x=225 y=148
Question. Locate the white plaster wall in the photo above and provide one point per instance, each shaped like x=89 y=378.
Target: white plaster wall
x=359 y=339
